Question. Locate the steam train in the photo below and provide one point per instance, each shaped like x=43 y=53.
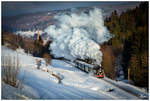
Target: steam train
x=97 y=70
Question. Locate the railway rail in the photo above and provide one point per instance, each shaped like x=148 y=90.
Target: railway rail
x=136 y=94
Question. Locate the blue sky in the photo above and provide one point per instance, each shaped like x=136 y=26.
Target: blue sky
x=15 y=8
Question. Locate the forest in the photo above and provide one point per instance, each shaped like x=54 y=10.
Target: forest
x=130 y=30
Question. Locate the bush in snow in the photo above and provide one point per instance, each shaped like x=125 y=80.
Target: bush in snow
x=31 y=46
x=47 y=58
x=38 y=63
x=12 y=41
x=58 y=77
x=10 y=71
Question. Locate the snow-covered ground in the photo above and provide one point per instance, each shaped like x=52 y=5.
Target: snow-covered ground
x=75 y=84
x=29 y=33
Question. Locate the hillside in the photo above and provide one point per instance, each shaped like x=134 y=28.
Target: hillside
x=83 y=53
x=75 y=83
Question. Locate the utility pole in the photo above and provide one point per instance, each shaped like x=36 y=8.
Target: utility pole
x=38 y=35
x=128 y=75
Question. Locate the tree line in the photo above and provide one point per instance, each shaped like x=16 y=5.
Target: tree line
x=131 y=40
x=30 y=45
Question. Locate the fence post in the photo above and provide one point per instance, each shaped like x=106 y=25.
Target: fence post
x=128 y=75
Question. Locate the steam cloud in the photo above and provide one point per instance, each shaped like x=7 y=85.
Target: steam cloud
x=79 y=35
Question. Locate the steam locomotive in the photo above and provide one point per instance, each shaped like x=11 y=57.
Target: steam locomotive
x=97 y=70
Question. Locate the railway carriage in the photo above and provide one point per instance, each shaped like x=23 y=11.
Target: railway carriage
x=96 y=69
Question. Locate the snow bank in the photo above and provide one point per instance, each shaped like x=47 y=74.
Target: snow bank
x=25 y=60
x=29 y=33
x=20 y=50
x=130 y=88
x=79 y=35
x=9 y=92
x=77 y=78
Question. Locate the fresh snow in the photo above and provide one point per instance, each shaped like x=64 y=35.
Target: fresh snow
x=9 y=92
x=75 y=84
x=29 y=33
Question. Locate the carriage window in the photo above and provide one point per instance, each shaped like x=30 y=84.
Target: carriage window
x=79 y=65
x=82 y=66
x=86 y=68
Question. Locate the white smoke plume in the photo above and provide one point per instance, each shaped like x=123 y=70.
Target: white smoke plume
x=79 y=35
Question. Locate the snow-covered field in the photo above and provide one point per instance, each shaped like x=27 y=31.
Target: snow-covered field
x=29 y=33
x=75 y=84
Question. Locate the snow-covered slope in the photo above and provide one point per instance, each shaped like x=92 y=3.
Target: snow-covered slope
x=29 y=33
x=75 y=84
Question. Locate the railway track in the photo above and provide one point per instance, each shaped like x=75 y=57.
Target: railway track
x=126 y=90
x=133 y=93
x=71 y=63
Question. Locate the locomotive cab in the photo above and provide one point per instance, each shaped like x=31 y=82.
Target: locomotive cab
x=100 y=73
x=98 y=70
